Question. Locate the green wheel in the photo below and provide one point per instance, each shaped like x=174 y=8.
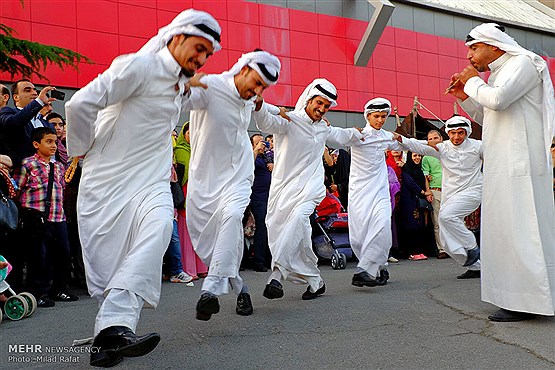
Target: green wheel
x=31 y=302
x=16 y=307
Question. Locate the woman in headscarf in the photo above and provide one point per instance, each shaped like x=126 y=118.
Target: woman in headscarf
x=413 y=221
x=192 y=264
x=394 y=159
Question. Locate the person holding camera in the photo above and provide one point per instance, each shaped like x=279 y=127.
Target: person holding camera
x=16 y=124
x=259 y=201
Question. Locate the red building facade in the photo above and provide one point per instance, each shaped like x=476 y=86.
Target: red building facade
x=404 y=63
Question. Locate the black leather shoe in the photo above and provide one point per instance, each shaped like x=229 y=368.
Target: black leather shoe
x=116 y=342
x=309 y=295
x=65 y=297
x=503 y=315
x=472 y=256
x=364 y=279
x=105 y=358
x=207 y=306
x=469 y=274
x=273 y=290
x=45 y=301
x=244 y=305
x=383 y=277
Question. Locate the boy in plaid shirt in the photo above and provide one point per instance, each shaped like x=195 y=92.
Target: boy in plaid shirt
x=43 y=221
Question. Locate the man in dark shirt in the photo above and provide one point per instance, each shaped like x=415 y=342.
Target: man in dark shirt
x=4 y=96
x=259 y=201
x=16 y=124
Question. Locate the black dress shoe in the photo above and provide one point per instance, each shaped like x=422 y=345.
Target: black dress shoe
x=244 y=305
x=260 y=269
x=383 y=277
x=65 y=297
x=105 y=358
x=364 y=279
x=45 y=301
x=273 y=290
x=309 y=295
x=207 y=306
x=503 y=315
x=472 y=256
x=116 y=342
x=469 y=274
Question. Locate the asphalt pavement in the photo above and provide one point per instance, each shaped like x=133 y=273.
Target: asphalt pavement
x=423 y=319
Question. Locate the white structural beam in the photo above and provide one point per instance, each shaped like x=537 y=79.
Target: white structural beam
x=376 y=26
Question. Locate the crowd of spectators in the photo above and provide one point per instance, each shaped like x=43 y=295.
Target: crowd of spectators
x=44 y=251
x=45 y=260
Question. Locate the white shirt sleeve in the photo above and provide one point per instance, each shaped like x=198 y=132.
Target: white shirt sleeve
x=267 y=121
x=416 y=146
x=525 y=78
x=197 y=98
x=343 y=136
x=123 y=79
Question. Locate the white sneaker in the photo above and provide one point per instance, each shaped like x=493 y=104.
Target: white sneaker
x=392 y=260
x=182 y=277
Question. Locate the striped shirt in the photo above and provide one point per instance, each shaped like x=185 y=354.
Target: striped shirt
x=32 y=180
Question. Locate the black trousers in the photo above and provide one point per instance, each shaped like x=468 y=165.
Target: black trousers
x=48 y=260
x=261 y=251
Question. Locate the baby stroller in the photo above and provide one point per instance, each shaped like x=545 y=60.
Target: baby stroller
x=17 y=306
x=330 y=232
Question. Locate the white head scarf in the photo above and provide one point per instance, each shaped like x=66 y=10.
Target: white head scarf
x=267 y=65
x=318 y=87
x=188 y=22
x=377 y=105
x=456 y=122
x=492 y=34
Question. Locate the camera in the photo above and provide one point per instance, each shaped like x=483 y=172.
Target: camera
x=267 y=144
x=56 y=94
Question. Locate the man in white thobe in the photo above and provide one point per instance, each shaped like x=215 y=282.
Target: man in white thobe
x=461 y=161
x=432 y=170
x=221 y=174
x=517 y=109
x=369 y=200
x=298 y=185
x=121 y=123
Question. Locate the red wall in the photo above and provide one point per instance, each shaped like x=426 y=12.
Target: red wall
x=404 y=64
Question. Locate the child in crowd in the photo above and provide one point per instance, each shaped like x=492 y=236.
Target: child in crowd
x=41 y=184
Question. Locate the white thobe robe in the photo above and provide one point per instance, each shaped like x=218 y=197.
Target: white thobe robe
x=518 y=215
x=461 y=187
x=369 y=200
x=221 y=173
x=123 y=121
x=297 y=188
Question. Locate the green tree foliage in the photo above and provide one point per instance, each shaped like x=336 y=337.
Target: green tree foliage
x=29 y=58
